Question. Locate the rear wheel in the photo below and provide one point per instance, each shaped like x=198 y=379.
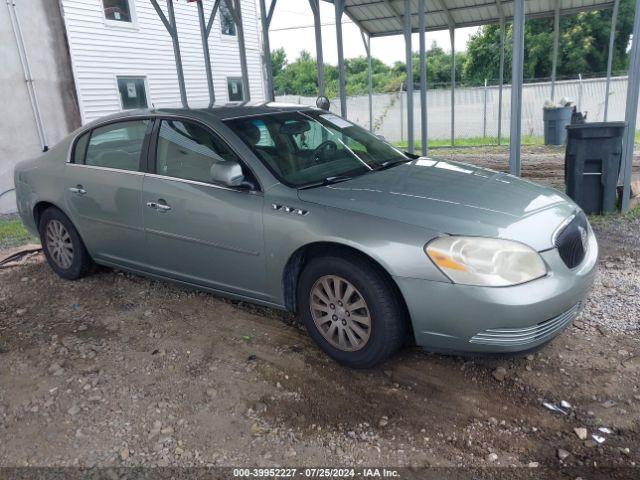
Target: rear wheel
x=62 y=245
x=350 y=309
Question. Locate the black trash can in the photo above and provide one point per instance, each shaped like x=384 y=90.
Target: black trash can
x=555 y=123
x=592 y=164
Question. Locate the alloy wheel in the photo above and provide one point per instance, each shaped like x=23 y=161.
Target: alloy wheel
x=59 y=244
x=340 y=313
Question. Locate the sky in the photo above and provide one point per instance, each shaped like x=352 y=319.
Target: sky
x=290 y=15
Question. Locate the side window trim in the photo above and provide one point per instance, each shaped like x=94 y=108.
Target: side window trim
x=76 y=141
x=152 y=161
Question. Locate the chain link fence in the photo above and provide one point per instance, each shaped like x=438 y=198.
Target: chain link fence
x=477 y=110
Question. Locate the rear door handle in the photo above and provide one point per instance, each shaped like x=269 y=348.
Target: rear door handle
x=78 y=189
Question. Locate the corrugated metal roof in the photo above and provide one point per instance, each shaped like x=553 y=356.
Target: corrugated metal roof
x=385 y=17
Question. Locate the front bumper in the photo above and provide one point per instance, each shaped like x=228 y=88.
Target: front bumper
x=448 y=317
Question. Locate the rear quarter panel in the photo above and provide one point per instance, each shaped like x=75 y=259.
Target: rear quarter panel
x=41 y=180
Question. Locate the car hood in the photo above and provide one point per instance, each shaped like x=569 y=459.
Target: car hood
x=453 y=198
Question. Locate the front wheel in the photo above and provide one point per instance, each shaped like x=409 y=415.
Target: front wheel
x=62 y=245
x=350 y=309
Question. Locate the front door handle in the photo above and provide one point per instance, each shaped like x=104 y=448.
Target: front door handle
x=160 y=206
x=78 y=190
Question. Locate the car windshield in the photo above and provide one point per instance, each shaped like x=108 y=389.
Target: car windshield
x=314 y=147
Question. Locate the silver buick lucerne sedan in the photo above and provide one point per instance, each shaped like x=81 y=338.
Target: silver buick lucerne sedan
x=296 y=208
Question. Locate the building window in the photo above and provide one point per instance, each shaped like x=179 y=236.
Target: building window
x=236 y=93
x=226 y=20
x=117 y=10
x=133 y=92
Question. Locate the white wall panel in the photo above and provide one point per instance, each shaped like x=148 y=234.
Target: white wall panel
x=100 y=51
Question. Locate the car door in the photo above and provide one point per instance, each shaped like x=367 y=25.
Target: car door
x=199 y=231
x=103 y=188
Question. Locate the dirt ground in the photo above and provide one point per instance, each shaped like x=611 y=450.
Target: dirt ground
x=539 y=163
x=119 y=370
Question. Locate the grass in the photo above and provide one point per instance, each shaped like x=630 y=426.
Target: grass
x=604 y=218
x=13 y=233
x=473 y=142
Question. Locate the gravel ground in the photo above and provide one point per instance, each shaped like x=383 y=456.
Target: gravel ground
x=119 y=370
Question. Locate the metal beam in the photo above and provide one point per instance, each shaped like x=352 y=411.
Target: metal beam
x=265 y=19
x=235 y=9
x=205 y=51
x=271 y=10
x=556 y=39
x=339 y=10
x=367 y=46
x=452 y=38
x=633 y=90
x=395 y=12
x=474 y=23
x=424 y=139
x=162 y=16
x=317 y=25
x=501 y=80
x=409 y=66
x=170 y=25
x=612 y=38
x=516 y=87
x=447 y=13
x=212 y=17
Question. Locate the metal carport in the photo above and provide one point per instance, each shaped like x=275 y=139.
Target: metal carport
x=378 y=18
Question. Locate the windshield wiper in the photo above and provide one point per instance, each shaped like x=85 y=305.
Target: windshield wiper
x=390 y=163
x=326 y=181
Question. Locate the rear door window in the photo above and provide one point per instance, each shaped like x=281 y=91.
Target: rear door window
x=117 y=145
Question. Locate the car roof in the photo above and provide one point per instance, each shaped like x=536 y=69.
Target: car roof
x=221 y=112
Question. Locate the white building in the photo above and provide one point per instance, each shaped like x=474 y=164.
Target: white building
x=90 y=58
x=122 y=55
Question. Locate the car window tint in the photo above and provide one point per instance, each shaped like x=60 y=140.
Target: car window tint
x=188 y=151
x=117 y=145
x=80 y=148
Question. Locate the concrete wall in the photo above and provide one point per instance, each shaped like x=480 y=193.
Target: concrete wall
x=389 y=110
x=44 y=39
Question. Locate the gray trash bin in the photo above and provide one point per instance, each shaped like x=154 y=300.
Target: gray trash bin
x=592 y=164
x=555 y=123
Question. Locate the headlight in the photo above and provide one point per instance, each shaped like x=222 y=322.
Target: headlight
x=489 y=262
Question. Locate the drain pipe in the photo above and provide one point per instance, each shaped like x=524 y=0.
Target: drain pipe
x=24 y=59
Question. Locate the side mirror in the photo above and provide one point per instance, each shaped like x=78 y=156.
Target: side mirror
x=228 y=173
x=381 y=137
x=323 y=103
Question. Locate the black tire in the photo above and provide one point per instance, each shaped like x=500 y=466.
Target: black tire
x=81 y=263
x=388 y=316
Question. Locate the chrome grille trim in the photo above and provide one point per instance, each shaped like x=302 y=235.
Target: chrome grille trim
x=526 y=335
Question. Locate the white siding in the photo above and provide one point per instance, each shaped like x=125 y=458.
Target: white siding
x=100 y=51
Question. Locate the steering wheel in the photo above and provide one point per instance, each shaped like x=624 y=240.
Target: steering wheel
x=328 y=146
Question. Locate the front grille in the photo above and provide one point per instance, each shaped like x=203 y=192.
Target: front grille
x=523 y=336
x=573 y=240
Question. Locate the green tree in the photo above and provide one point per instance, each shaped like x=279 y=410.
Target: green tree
x=278 y=61
x=438 y=67
x=583 y=46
